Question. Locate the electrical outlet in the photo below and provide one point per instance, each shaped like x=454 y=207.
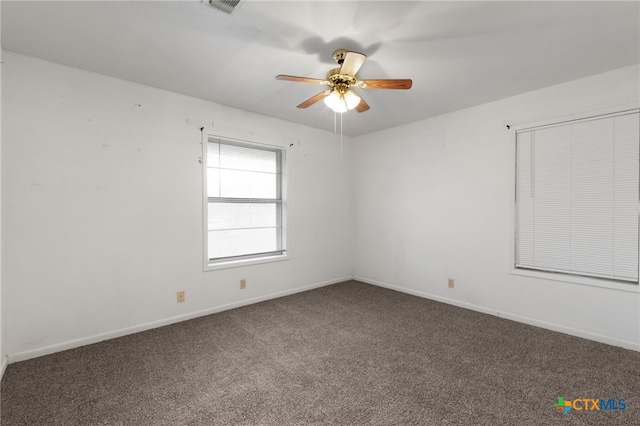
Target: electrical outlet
x=450 y=283
x=181 y=296
x=243 y=284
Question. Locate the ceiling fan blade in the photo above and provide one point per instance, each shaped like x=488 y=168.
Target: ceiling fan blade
x=301 y=79
x=352 y=63
x=312 y=100
x=362 y=106
x=385 y=84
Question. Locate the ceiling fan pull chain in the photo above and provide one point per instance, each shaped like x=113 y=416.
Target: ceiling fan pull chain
x=341 y=135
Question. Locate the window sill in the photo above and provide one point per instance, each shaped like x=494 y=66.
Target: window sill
x=245 y=262
x=574 y=279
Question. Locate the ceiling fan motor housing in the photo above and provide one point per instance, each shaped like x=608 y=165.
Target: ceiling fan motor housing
x=338 y=80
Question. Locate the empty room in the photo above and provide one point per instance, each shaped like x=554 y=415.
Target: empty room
x=313 y=212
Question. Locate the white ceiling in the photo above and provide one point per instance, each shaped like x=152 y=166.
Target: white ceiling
x=459 y=54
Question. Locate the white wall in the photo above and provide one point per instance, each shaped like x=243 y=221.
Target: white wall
x=102 y=210
x=3 y=358
x=102 y=199
x=434 y=199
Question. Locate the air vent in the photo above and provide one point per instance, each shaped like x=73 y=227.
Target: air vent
x=226 y=6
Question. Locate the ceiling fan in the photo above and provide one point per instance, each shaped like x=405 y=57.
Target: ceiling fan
x=341 y=96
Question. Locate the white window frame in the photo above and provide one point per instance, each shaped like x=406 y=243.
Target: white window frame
x=630 y=287
x=239 y=261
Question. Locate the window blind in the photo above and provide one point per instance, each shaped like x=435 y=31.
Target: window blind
x=577 y=186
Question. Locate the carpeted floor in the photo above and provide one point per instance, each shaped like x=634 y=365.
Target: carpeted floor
x=346 y=354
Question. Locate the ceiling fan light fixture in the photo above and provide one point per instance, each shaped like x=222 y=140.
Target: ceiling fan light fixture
x=336 y=102
x=340 y=103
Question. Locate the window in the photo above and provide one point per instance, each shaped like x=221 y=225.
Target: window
x=577 y=185
x=244 y=202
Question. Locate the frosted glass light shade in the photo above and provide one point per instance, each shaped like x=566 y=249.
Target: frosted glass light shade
x=335 y=102
x=342 y=103
x=352 y=99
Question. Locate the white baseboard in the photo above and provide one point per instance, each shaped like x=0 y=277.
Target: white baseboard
x=46 y=350
x=513 y=317
x=71 y=344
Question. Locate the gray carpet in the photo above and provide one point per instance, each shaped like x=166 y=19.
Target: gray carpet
x=346 y=354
